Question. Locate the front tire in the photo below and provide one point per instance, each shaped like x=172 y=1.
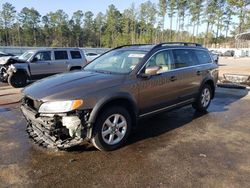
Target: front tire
x=17 y=80
x=111 y=129
x=204 y=99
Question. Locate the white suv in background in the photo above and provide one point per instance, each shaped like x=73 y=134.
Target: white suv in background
x=37 y=64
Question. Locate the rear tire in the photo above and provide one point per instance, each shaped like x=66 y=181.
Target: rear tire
x=204 y=99
x=111 y=129
x=17 y=79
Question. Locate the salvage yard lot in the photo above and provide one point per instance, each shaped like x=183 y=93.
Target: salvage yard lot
x=176 y=149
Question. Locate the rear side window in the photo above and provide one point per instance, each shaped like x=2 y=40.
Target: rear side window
x=59 y=55
x=75 y=55
x=203 y=57
x=184 y=58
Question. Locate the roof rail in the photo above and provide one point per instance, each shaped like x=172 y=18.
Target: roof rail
x=131 y=45
x=179 y=43
x=162 y=44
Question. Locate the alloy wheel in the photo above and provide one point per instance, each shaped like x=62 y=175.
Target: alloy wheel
x=114 y=129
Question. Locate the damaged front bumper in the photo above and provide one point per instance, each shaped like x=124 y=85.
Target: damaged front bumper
x=56 y=131
x=3 y=74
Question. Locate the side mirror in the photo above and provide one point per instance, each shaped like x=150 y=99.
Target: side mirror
x=34 y=59
x=152 y=70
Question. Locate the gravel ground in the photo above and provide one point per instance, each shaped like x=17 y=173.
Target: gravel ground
x=234 y=66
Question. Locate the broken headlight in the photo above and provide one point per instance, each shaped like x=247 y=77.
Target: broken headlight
x=60 y=106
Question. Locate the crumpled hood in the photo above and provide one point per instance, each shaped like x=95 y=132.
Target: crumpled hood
x=4 y=60
x=71 y=85
x=8 y=60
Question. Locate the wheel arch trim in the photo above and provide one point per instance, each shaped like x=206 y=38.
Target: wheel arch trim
x=108 y=100
x=211 y=82
x=23 y=71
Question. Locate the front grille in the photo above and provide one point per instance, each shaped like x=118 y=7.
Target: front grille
x=33 y=104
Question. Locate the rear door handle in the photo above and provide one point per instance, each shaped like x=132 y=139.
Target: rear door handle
x=173 y=78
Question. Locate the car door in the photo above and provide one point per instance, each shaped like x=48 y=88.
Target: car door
x=77 y=58
x=204 y=62
x=40 y=64
x=61 y=61
x=161 y=90
x=186 y=64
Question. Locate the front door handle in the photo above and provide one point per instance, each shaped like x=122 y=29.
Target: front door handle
x=198 y=73
x=173 y=78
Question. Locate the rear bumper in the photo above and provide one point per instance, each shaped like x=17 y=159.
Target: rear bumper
x=48 y=131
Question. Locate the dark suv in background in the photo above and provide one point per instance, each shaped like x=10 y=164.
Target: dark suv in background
x=103 y=102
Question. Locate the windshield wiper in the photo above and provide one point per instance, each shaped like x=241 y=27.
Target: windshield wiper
x=103 y=71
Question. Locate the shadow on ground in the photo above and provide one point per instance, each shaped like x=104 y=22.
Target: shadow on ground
x=168 y=121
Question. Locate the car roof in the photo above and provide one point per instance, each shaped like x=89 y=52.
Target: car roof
x=43 y=49
x=148 y=47
x=143 y=47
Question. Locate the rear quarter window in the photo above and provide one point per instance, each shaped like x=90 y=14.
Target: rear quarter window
x=59 y=55
x=75 y=55
x=203 y=57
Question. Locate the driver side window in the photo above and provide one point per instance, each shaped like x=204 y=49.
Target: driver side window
x=162 y=60
x=42 y=56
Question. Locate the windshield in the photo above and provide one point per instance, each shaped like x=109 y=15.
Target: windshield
x=25 y=56
x=117 y=61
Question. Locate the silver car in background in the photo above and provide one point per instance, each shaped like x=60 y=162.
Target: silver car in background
x=215 y=56
x=90 y=56
x=37 y=64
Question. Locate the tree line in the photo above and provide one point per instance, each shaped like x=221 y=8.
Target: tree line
x=168 y=20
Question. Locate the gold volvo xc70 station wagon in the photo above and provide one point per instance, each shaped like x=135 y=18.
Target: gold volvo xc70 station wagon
x=103 y=101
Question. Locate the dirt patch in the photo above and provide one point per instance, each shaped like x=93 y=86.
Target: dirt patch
x=234 y=66
x=13 y=176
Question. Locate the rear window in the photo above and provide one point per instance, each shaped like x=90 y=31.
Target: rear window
x=75 y=55
x=203 y=57
x=61 y=55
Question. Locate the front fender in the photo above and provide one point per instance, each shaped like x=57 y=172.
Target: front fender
x=108 y=99
x=18 y=67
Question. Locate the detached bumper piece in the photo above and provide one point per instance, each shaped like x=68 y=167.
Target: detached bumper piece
x=49 y=131
x=236 y=79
